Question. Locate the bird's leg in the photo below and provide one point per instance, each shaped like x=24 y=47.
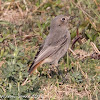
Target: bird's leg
x=52 y=71
x=59 y=72
x=56 y=69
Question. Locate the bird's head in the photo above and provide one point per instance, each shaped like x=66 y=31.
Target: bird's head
x=60 y=21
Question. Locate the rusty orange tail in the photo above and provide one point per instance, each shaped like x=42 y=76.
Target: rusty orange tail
x=33 y=68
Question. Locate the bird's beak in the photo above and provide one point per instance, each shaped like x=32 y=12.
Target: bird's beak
x=71 y=17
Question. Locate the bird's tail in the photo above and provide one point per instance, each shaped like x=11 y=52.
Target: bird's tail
x=31 y=70
x=34 y=67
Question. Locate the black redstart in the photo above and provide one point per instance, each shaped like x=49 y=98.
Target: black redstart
x=55 y=45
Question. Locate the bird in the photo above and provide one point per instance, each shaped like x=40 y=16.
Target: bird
x=55 y=45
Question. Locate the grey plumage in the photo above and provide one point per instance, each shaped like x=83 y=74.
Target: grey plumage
x=55 y=45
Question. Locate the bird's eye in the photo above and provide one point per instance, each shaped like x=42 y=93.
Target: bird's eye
x=63 y=19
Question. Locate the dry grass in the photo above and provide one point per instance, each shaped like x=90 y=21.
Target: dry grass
x=61 y=92
x=23 y=27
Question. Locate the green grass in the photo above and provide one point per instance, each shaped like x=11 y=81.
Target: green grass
x=20 y=38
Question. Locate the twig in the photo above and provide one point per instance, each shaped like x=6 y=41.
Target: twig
x=25 y=81
x=95 y=48
x=75 y=40
x=72 y=51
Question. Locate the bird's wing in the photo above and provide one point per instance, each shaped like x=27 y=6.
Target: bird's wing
x=51 y=48
x=48 y=50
